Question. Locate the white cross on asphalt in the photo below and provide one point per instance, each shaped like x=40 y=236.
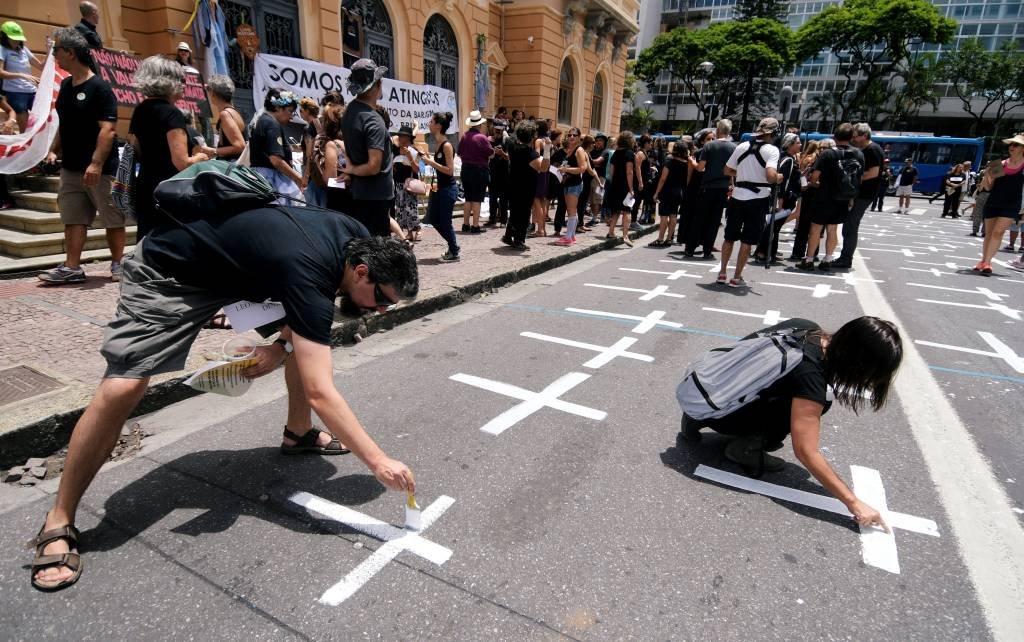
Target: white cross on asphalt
x=878 y=548
x=531 y=401
x=904 y=246
x=646 y=323
x=1000 y=350
x=770 y=317
x=395 y=541
x=648 y=295
x=947 y=264
x=998 y=307
x=671 y=276
x=617 y=349
x=933 y=271
x=714 y=265
x=989 y=294
x=819 y=291
x=847 y=277
x=904 y=251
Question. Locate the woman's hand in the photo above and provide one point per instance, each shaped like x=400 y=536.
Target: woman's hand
x=29 y=77
x=867 y=516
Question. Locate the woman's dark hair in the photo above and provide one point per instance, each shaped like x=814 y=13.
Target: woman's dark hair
x=680 y=150
x=331 y=118
x=384 y=115
x=861 y=359
x=542 y=127
x=645 y=140
x=526 y=132
x=333 y=97
x=390 y=261
x=625 y=140
x=444 y=119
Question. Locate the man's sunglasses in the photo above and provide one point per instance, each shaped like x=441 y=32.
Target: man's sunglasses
x=381 y=298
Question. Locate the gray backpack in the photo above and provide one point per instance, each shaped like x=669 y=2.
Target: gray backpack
x=728 y=378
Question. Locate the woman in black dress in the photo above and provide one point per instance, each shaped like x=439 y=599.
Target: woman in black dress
x=669 y=193
x=619 y=196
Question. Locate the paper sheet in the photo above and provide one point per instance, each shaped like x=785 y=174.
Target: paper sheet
x=246 y=315
x=334 y=182
x=554 y=172
x=222 y=377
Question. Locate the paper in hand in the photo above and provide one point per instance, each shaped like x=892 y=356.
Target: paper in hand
x=222 y=377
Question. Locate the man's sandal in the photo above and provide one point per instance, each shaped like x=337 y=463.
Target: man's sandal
x=307 y=443
x=71 y=560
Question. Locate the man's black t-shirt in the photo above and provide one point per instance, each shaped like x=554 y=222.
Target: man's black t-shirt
x=268 y=140
x=287 y=254
x=363 y=129
x=807 y=380
x=715 y=155
x=521 y=176
x=80 y=109
x=908 y=175
x=873 y=156
x=828 y=164
x=89 y=33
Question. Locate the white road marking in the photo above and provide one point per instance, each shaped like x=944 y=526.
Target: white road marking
x=989 y=294
x=932 y=271
x=646 y=323
x=989 y=537
x=395 y=541
x=531 y=401
x=918 y=211
x=904 y=251
x=617 y=349
x=647 y=295
x=997 y=307
x=903 y=246
x=846 y=277
x=1001 y=350
x=770 y=317
x=948 y=264
x=819 y=291
x=671 y=276
x=878 y=548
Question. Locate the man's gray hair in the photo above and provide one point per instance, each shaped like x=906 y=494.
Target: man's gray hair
x=221 y=86
x=158 y=77
x=70 y=38
x=724 y=127
x=88 y=9
x=862 y=129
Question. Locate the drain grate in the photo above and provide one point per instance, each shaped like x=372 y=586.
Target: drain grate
x=22 y=382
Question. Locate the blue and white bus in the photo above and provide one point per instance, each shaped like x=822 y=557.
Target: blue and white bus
x=932 y=155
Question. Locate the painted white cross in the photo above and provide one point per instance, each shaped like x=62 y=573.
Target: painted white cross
x=531 y=401
x=617 y=349
x=395 y=541
x=988 y=294
x=647 y=295
x=947 y=264
x=714 y=265
x=819 y=291
x=932 y=271
x=903 y=245
x=878 y=548
x=847 y=277
x=671 y=276
x=1000 y=350
x=770 y=317
x=904 y=251
x=646 y=323
x=998 y=307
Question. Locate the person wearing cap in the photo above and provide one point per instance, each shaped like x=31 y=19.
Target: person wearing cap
x=475 y=150
x=1005 y=182
x=183 y=56
x=405 y=168
x=368 y=149
x=87 y=25
x=16 y=63
x=753 y=164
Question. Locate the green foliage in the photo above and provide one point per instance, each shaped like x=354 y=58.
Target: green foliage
x=985 y=81
x=631 y=84
x=639 y=120
x=872 y=40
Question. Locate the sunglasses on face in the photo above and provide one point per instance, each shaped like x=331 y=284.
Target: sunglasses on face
x=380 y=298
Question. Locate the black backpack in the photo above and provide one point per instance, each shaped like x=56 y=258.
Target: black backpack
x=848 y=173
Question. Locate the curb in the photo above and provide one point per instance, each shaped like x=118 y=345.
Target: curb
x=44 y=437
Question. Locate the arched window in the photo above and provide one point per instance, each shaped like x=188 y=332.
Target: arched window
x=440 y=55
x=597 y=104
x=377 y=35
x=566 y=82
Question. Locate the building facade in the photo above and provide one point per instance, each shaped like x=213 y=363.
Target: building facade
x=550 y=58
x=993 y=21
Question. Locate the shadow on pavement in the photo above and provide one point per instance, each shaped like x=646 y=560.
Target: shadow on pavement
x=227 y=485
x=684 y=458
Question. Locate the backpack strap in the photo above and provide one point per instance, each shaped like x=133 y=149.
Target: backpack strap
x=753 y=150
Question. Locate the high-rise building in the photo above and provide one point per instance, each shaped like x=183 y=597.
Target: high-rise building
x=993 y=21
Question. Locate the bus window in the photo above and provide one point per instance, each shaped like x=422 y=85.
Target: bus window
x=963 y=153
x=899 y=151
x=934 y=154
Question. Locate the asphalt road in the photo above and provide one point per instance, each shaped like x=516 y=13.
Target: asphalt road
x=580 y=515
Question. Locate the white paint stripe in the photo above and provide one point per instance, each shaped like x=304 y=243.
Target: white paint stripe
x=932 y=271
x=990 y=538
x=847 y=277
x=878 y=548
x=998 y=307
x=1016 y=362
x=770 y=317
x=918 y=210
x=661 y=290
x=947 y=264
x=989 y=294
x=819 y=291
x=617 y=349
x=646 y=323
x=671 y=276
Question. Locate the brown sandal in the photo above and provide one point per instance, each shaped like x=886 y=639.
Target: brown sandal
x=307 y=443
x=71 y=559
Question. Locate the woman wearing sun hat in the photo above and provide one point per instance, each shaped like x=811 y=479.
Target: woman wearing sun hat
x=1005 y=181
x=475 y=150
x=16 y=62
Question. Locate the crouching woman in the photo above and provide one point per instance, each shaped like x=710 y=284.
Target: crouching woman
x=856 y=364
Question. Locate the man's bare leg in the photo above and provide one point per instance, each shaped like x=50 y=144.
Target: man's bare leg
x=300 y=414
x=741 y=259
x=74 y=239
x=726 y=255
x=92 y=441
x=115 y=241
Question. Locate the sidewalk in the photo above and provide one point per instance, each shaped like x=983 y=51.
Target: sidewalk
x=49 y=346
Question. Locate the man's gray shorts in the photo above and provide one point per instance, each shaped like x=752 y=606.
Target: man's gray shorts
x=157 y=321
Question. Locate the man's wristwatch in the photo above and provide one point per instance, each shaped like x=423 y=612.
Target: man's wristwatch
x=287 y=345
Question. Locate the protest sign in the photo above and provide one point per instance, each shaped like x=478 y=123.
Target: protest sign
x=407 y=103
x=21 y=152
x=118 y=68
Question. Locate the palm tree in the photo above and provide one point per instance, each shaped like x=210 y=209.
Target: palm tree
x=829 y=106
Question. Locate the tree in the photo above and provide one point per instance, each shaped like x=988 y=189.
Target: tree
x=985 y=80
x=777 y=10
x=910 y=89
x=828 y=106
x=639 y=120
x=679 y=52
x=630 y=85
x=872 y=40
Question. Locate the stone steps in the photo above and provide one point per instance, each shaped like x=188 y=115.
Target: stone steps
x=43 y=201
x=21 y=244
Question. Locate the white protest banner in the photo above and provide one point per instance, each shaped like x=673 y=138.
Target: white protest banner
x=407 y=103
x=21 y=152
